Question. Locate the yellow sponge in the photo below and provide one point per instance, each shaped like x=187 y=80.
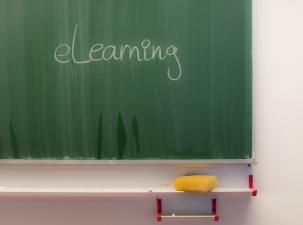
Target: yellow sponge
x=196 y=183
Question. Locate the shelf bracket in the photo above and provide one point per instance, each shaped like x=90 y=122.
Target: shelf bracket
x=251 y=185
x=214 y=209
x=159 y=209
x=213 y=214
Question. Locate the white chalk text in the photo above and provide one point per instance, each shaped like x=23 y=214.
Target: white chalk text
x=143 y=52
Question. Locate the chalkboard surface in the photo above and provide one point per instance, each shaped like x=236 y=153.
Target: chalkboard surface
x=125 y=79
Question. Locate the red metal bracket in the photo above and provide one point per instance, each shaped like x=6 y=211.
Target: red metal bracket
x=214 y=206
x=216 y=218
x=159 y=209
x=251 y=185
x=214 y=209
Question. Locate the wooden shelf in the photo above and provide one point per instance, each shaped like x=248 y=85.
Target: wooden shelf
x=64 y=192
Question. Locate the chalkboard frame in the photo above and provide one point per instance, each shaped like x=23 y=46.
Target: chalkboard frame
x=189 y=163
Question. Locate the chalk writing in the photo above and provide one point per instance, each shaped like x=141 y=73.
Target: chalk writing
x=144 y=52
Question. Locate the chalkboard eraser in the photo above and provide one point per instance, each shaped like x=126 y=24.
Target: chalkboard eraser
x=196 y=183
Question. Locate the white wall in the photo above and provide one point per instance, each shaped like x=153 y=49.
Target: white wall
x=278 y=112
x=278 y=142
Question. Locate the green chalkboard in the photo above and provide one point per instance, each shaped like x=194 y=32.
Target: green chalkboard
x=125 y=79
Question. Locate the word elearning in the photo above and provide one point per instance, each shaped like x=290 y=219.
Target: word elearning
x=145 y=52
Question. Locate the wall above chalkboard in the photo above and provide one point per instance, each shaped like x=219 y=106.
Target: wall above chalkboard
x=126 y=79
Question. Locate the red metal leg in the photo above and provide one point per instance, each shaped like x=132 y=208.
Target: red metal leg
x=214 y=209
x=214 y=206
x=251 y=185
x=159 y=209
